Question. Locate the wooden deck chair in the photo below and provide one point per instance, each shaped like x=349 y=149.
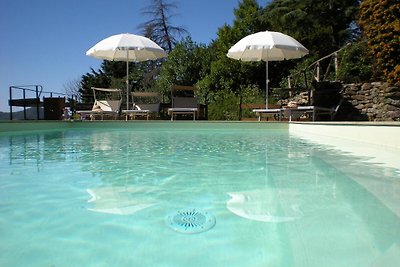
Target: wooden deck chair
x=103 y=106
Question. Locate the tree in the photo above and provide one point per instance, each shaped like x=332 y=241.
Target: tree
x=159 y=27
x=72 y=88
x=187 y=63
x=228 y=78
x=227 y=73
x=380 y=24
x=321 y=26
x=93 y=79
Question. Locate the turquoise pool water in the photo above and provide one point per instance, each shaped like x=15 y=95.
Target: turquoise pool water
x=103 y=196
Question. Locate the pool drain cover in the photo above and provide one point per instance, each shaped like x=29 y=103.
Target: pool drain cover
x=191 y=221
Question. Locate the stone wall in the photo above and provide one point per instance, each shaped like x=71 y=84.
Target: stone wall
x=374 y=101
x=371 y=101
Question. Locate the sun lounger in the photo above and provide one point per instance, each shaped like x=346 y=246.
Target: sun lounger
x=143 y=109
x=275 y=111
x=186 y=103
x=297 y=112
x=103 y=108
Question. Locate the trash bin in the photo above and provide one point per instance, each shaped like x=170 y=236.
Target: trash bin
x=53 y=108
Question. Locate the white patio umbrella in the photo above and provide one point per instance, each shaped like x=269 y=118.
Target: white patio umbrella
x=267 y=46
x=126 y=47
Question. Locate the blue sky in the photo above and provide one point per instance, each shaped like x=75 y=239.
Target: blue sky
x=44 y=41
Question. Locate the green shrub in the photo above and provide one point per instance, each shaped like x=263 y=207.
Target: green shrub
x=224 y=106
x=356 y=63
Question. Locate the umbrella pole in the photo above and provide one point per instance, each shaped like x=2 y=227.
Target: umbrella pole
x=266 y=83
x=127 y=79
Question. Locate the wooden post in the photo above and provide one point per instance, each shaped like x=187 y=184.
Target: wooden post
x=336 y=65
x=309 y=89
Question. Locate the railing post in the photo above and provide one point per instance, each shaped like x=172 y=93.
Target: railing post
x=306 y=84
x=37 y=102
x=10 y=104
x=24 y=95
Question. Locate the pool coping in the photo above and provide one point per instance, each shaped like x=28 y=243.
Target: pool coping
x=347 y=123
x=384 y=134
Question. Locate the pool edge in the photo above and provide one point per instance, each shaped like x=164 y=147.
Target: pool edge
x=376 y=133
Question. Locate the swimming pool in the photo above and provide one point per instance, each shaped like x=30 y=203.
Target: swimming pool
x=107 y=194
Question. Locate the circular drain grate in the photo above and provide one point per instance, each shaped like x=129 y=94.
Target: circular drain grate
x=191 y=221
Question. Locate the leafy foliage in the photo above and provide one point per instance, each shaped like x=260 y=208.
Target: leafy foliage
x=93 y=79
x=231 y=75
x=186 y=64
x=224 y=106
x=379 y=21
x=356 y=64
x=321 y=26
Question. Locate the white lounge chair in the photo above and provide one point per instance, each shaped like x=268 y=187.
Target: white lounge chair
x=103 y=108
x=275 y=111
x=143 y=109
x=184 y=104
x=297 y=112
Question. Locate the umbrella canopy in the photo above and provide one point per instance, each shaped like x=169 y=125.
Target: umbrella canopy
x=126 y=47
x=267 y=46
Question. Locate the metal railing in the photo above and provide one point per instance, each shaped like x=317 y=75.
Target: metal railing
x=37 y=91
x=25 y=102
x=315 y=70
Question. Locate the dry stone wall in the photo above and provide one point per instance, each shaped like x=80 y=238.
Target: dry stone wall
x=374 y=101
